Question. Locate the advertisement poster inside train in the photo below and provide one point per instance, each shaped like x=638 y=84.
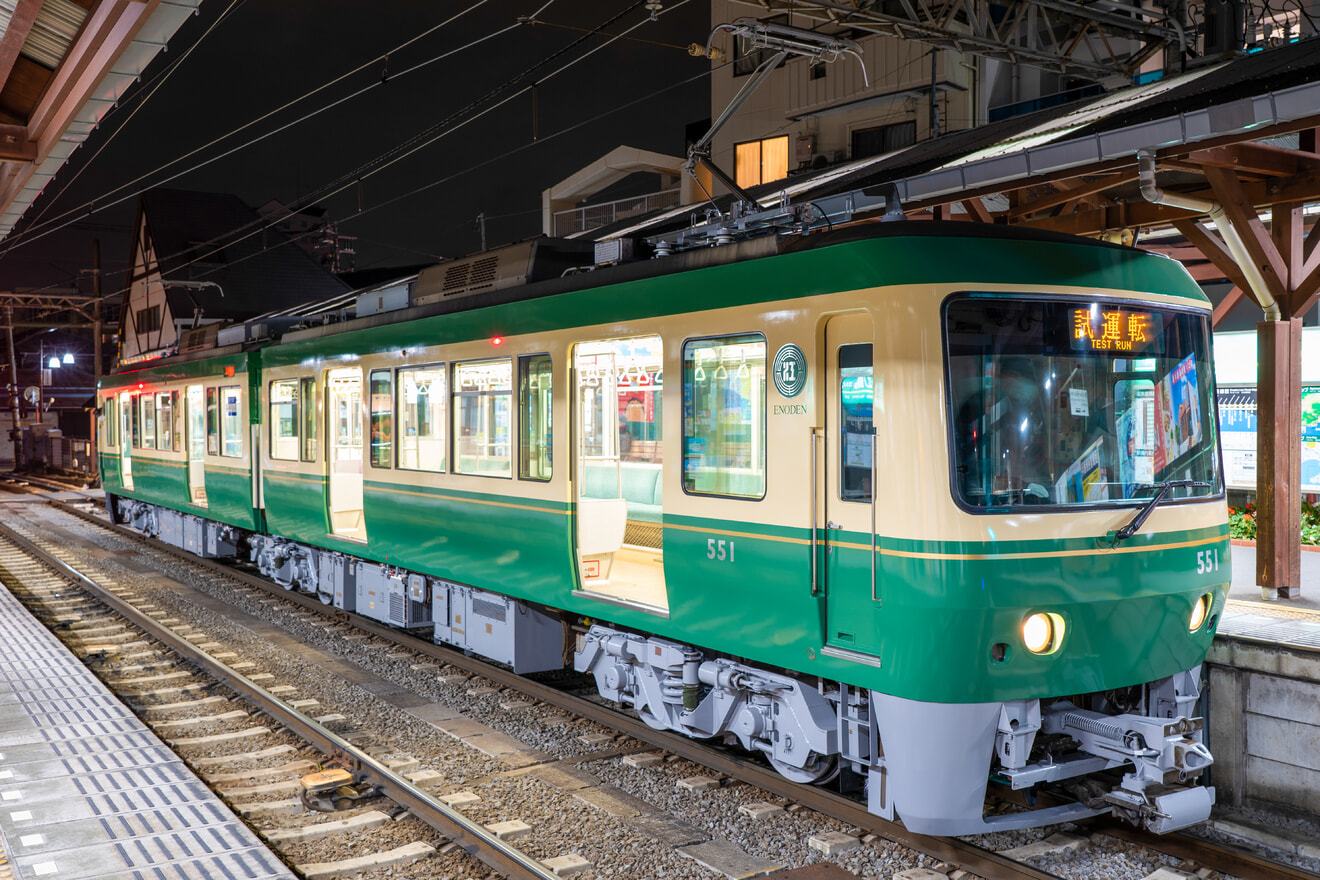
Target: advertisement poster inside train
x=1177 y=414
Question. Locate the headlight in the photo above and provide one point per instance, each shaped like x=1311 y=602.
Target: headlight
x=1200 y=611
x=1038 y=633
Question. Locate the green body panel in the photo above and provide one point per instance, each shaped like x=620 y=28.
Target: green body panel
x=850 y=266
x=228 y=486
x=942 y=605
x=229 y=497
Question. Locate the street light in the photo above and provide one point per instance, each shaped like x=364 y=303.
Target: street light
x=43 y=377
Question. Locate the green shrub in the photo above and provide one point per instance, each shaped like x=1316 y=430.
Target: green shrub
x=1242 y=523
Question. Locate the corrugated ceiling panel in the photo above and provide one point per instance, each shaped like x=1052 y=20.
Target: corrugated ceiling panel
x=56 y=25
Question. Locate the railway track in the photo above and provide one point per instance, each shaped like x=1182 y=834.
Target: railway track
x=968 y=857
x=144 y=684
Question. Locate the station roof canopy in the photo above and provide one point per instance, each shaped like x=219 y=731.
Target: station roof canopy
x=1241 y=132
x=63 y=65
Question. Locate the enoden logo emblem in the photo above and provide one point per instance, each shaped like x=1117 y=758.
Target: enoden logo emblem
x=789 y=370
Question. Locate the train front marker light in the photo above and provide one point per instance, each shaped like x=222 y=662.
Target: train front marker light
x=1042 y=633
x=1200 y=611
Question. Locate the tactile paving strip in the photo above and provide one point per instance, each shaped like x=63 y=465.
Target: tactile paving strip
x=1295 y=629
x=88 y=791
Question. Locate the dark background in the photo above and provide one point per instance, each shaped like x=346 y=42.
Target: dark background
x=260 y=54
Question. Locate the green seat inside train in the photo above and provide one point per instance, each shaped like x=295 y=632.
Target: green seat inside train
x=638 y=483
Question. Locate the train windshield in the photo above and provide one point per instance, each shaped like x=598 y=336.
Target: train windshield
x=1078 y=403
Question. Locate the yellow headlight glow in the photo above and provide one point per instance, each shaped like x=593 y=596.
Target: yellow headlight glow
x=1038 y=633
x=1200 y=611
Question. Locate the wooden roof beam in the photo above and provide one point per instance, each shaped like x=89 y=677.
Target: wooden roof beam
x=1257 y=159
x=1212 y=248
x=1067 y=192
x=1241 y=211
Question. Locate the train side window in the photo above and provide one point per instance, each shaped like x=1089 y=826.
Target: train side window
x=148 y=406
x=231 y=421
x=109 y=424
x=382 y=419
x=164 y=422
x=421 y=407
x=309 y=420
x=482 y=392
x=724 y=416
x=284 y=419
x=212 y=423
x=137 y=421
x=534 y=401
x=178 y=421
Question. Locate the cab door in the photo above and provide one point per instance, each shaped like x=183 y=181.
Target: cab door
x=127 y=410
x=851 y=590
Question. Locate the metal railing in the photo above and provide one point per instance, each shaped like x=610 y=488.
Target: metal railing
x=594 y=216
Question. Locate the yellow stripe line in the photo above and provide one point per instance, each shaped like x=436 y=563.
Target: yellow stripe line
x=915 y=554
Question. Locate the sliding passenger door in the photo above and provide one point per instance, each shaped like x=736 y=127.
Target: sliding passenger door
x=195 y=442
x=617 y=421
x=344 y=453
x=127 y=436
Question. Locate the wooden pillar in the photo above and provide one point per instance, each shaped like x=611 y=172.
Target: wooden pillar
x=1278 y=458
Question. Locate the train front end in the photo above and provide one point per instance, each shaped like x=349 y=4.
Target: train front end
x=1089 y=572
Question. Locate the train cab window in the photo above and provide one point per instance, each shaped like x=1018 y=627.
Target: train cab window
x=148 y=406
x=483 y=414
x=1078 y=403
x=724 y=416
x=212 y=422
x=382 y=419
x=534 y=401
x=421 y=413
x=284 y=419
x=855 y=406
x=231 y=421
x=307 y=396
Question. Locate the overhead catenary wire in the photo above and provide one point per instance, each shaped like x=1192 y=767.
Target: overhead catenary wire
x=262 y=226
x=140 y=99
x=79 y=213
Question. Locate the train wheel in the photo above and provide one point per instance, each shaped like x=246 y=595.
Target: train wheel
x=818 y=770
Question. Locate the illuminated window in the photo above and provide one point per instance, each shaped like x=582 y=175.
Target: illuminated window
x=148 y=406
x=724 y=416
x=534 y=419
x=231 y=422
x=284 y=419
x=212 y=422
x=422 y=418
x=761 y=161
x=382 y=419
x=483 y=418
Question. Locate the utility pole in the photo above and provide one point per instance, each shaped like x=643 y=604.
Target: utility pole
x=94 y=460
x=17 y=433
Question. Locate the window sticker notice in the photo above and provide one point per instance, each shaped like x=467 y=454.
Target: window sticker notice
x=1077 y=402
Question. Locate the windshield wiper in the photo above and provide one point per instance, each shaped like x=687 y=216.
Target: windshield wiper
x=1140 y=519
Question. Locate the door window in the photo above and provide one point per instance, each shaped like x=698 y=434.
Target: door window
x=724 y=416
x=856 y=400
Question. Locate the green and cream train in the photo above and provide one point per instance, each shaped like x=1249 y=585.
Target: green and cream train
x=933 y=507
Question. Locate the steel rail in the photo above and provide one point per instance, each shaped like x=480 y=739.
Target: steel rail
x=985 y=863
x=470 y=836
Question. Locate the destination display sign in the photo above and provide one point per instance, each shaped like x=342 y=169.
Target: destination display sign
x=1119 y=330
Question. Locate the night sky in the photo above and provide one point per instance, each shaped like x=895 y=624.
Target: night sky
x=260 y=54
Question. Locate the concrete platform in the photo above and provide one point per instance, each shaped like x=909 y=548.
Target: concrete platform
x=88 y=791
